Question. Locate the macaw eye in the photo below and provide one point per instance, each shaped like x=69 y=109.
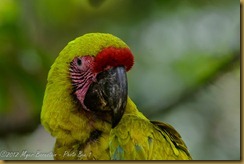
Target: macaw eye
x=79 y=62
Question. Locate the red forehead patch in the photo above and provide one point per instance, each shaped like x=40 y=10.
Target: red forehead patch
x=114 y=57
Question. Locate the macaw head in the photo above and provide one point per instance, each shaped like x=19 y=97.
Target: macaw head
x=89 y=75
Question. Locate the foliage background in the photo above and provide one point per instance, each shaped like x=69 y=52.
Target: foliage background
x=186 y=72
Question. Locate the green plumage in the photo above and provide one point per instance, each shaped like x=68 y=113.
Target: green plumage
x=82 y=135
x=137 y=138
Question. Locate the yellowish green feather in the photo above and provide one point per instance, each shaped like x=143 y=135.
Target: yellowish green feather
x=135 y=137
x=141 y=140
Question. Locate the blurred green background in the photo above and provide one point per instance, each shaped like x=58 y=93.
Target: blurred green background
x=186 y=72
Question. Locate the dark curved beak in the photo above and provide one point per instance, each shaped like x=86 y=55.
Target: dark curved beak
x=109 y=93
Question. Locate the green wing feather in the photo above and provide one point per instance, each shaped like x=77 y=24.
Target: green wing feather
x=173 y=135
x=137 y=138
x=128 y=141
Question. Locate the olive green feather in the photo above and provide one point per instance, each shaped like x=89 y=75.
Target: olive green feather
x=81 y=135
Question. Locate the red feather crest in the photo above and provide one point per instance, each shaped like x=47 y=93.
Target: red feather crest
x=113 y=57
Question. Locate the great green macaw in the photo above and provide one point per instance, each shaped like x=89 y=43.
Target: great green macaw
x=87 y=108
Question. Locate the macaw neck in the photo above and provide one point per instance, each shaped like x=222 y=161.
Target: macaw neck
x=131 y=109
x=86 y=132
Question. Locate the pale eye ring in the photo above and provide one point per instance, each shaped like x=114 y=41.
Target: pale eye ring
x=79 y=62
